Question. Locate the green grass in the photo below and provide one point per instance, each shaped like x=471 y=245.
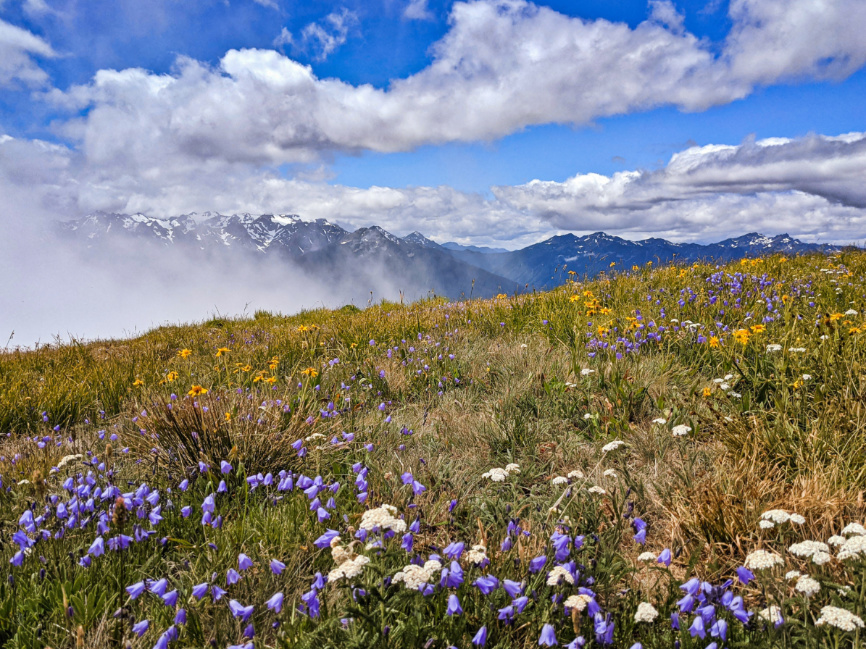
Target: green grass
x=447 y=391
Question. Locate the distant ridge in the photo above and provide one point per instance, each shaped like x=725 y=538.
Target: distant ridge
x=414 y=263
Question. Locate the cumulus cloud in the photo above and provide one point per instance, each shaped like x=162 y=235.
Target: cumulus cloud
x=812 y=186
x=774 y=39
x=503 y=65
x=18 y=48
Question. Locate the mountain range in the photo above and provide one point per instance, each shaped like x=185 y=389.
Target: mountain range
x=414 y=264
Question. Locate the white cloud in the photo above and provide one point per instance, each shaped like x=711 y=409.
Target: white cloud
x=782 y=39
x=503 y=65
x=812 y=186
x=417 y=10
x=18 y=47
x=270 y=4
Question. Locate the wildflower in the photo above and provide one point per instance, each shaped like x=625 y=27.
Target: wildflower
x=558 y=480
x=681 y=430
x=854 y=528
x=586 y=371
x=763 y=560
x=852 y=548
x=199 y=590
x=773 y=615
x=277 y=566
x=548 y=636
x=777 y=516
x=742 y=336
x=774 y=348
x=612 y=446
x=665 y=557
x=137 y=383
x=184 y=353
x=577 y=602
x=512 y=468
x=311 y=372
x=792 y=574
x=576 y=474
x=140 y=628
x=495 y=475
x=244 y=562
x=480 y=638
x=453 y=606
x=646 y=556
x=596 y=490
x=275 y=603
x=240 y=611
x=555 y=576
x=537 y=564
x=660 y=421
x=609 y=473
x=839 y=618
x=487 y=584
x=135 y=590
x=196 y=391
x=808 y=548
x=807 y=586
x=222 y=351
x=745 y=575
x=646 y=612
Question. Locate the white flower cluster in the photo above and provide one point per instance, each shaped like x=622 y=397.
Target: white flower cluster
x=597 y=490
x=808 y=548
x=774 y=517
x=578 y=602
x=609 y=473
x=792 y=574
x=807 y=586
x=660 y=421
x=681 y=430
x=586 y=371
x=646 y=556
x=774 y=348
x=840 y=618
x=349 y=566
x=576 y=474
x=558 y=480
x=854 y=528
x=498 y=475
x=477 y=555
x=773 y=615
x=612 y=446
x=414 y=576
x=66 y=459
x=646 y=612
x=797 y=350
x=557 y=575
x=763 y=560
x=384 y=518
x=853 y=548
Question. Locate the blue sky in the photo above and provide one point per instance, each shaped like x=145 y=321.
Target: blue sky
x=576 y=152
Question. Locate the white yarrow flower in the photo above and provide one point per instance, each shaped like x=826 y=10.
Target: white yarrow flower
x=646 y=612
x=612 y=446
x=681 y=430
x=558 y=480
x=839 y=618
x=807 y=586
x=763 y=560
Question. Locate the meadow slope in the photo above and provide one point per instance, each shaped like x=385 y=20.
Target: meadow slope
x=657 y=456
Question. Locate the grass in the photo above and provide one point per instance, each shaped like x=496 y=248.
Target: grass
x=758 y=363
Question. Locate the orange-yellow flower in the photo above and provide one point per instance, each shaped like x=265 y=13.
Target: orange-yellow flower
x=758 y=328
x=197 y=390
x=184 y=353
x=707 y=392
x=171 y=376
x=222 y=350
x=311 y=372
x=742 y=336
x=714 y=341
x=137 y=383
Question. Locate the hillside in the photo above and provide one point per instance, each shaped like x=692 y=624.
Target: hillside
x=648 y=457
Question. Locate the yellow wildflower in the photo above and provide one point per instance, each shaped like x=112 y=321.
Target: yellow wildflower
x=311 y=372
x=171 y=376
x=228 y=416
x=758 y=329
x=742 y=336
x=714 y=342
x=197 y=390
x=707 y=392
x=137 y=383
x=184 y=353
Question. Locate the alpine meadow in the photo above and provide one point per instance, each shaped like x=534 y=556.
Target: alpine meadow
x=667 y=456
